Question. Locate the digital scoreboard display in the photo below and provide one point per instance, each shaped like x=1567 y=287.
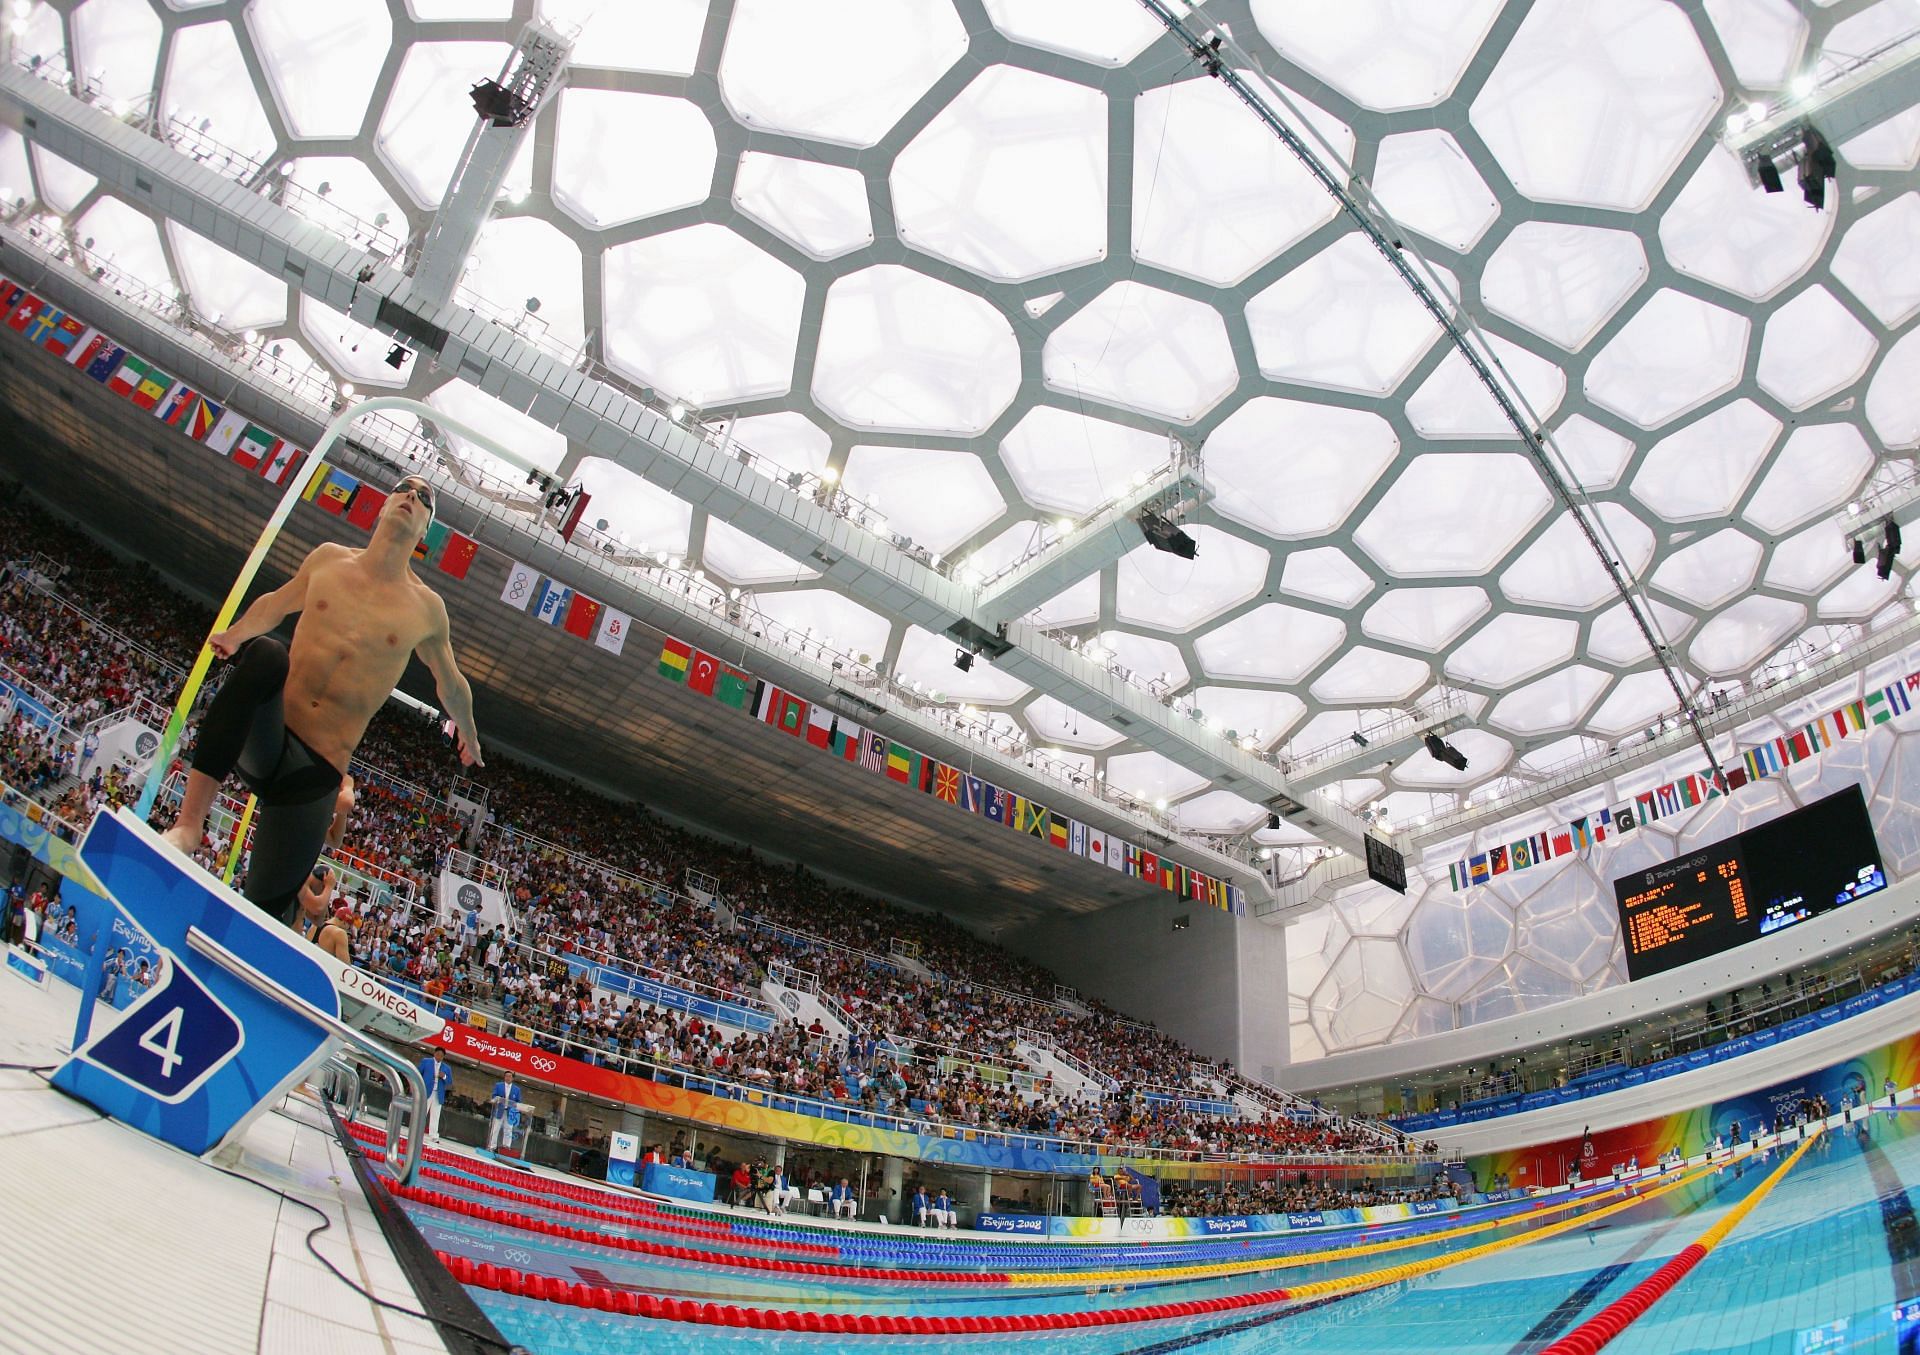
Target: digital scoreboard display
x=1797 y=866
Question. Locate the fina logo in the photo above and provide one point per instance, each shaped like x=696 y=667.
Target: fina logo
x=469 y=896
x=145 y=744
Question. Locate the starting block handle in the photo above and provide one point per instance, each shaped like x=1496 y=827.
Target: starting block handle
x=403 y=1075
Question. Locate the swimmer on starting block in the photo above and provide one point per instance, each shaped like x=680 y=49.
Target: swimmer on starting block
x=288 y=720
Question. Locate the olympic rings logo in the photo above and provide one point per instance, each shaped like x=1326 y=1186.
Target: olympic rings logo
x=517 y=590
x=542 y=1064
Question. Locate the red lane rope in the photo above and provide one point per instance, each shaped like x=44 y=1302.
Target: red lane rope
x=553 y=1289
x=506 y=1218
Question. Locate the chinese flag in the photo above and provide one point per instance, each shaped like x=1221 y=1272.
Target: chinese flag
x=458 y=555
x=583 y=615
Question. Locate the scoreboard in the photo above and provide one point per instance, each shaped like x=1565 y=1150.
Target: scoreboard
x=1797 y=866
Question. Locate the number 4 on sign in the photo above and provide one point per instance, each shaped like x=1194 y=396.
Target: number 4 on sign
x=170 y=1041
x=154 y=1043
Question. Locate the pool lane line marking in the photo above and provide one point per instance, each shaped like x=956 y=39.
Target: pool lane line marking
x=1609 y=1322
x=1897 y=1220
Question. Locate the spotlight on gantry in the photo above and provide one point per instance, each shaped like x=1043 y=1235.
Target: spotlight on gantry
x=1889 y=549
x=1162 y=534
x=1443 y=751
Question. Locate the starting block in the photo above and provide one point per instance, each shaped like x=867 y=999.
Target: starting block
x=199 y=1055
x=24 y=964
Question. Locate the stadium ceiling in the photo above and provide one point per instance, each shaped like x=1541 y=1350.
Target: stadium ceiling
x=982 y=259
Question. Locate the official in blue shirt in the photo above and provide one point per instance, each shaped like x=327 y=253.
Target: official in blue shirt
x=438 y=1077
x=505 y=1118
x=920 y=1205
x=842 y=1201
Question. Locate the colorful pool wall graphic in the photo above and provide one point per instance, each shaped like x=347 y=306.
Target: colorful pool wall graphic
x=1693 y=1131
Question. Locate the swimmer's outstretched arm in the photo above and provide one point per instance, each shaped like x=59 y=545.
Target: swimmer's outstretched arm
x=456 y=697
x=270 y=609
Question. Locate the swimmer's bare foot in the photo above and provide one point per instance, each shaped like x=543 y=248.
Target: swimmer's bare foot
x=182 y=838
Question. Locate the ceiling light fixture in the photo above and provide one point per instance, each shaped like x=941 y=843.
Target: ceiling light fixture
x=1442 y=751
x=1163 y=535
x=1889 y=549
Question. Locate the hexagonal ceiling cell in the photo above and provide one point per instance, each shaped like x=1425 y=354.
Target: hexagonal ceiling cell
x=1742 y=635
x=1009 y=179
x=1615 y=637
x=1702 y=470
x=1674 y=355
x=1879 y=259
x=349 y=348
x=901 y=351
x=1325 y=575
x=1104 y=32
x=702 y=315
x=1512 y=647
x=836 y=620
x=1635 y=702
x=1426 y=182
x=1075 y=606
x=637 y=513
x=207 y=85
x=1273 y=643
x=834 y=71
x=1453 y=514
x=110 y=230
x=662 y=36
x=1596 y=105
x=1563 y=281
x=536 y=442
x=116 y=44
x=595 y=128
x=1721 y=231
x=1808 y=561
x=1144 y=349
x=1155 y=660
x=1455 y=939
x=61 y=184
x=1453 y=403
x=1158 y=589
x=1486 y=753
x=1067 y=462
x=822 y=209
x=1387 y=55
x=731 y=554
x=1215 y=194
x=1817 y=469
x=322 y=61
x=1764 y=39
x=1592 y=456
x=1893 y=397
x=352 y=187
x=1371 y=676
x=788 y=439
x=1813 y=349
x=1710 y=572
x=1260 y=714
x=526 y=265
x=422 y=131
x=1425 y=619
x=1151 y=777
x=1343 y=319
x=1859 y=596
x=927 y=659
x=1366 y=989
x=1054 y=722
x=227 y=289
x=939 y=499
x=1562 y=569
x=1550 y=704
x=1294 y=469
x=1218 y=811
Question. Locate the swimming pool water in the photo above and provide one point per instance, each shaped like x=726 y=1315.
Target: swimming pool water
x=1818 y=1267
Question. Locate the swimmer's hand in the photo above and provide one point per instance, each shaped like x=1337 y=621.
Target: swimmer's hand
x=226 y=643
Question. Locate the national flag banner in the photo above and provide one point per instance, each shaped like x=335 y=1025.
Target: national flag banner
x=1076 y=837
x=1173 y=877
x=456 y=557
x=1601 y=823
x=1738 y=777
x=335 y=495
x=1913 y=681
x=1582 y=833
x=675 y=659
x=22 y=313
x=583 y=616
x=873 y=754
x=765 y=697
x=1898 y=702
x=152 y=389
x=432 y=542
x=174 y=406
x=1751 y=765
x=994 y=804
x=127 y=376
x=255 y=447
x=226 y=431
x=702 y=673
x=1800 y=745
x=973 y=795
x=45 y=323
x=278 y=467
x=1039 y=821
x=1643 y=803
x=1097 y=847
x=1623 y=819
x=518 y=593
x=1669 y=799
x=1117 y=850
x=847 y=740
x=199 y=421
x=1497 y=862
x=1856 y=712
x=733 y=687
x=1457 y=875
x=1542 y=849
x=554 y=597
x=1149 y=867
x=820 y=728
x=1477 y=867
x=96 y=350
x=68 y=335
x=1878 y=711
x=946 y=784
x=1563 y=843
x=10 y=292
x=363 y=510
x=1685 y=789
x=1521 y=854
x=789 y=714
x=924 y=771
x=613 y=631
